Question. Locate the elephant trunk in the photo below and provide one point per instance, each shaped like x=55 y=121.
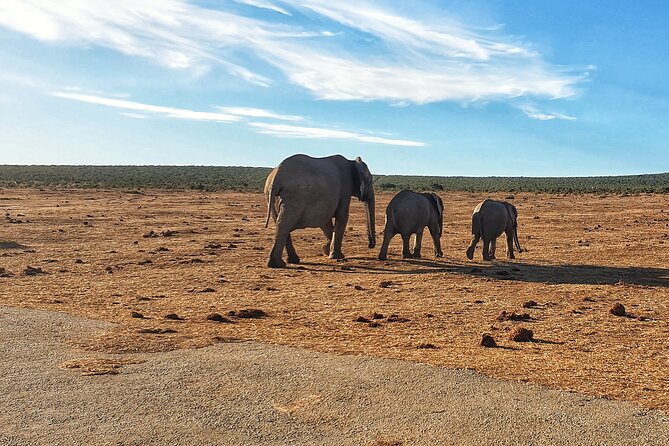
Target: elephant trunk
x=371 y=224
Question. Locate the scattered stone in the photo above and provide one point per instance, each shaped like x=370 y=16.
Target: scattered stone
x=168 y=233
x=5 y=273
x=385 y=284
x=174 y=317
x=149 y=234
x=521 y=334
x=487 y=341
x=33 y=271
x=362 y=319
x=478 y=301
x=427 y=345
x=213 y=246
x=374 y=324
x=252 y=313
x=429 y=315
x=109 y=270
x=512 y=316
x=78 y=261
x=162 y=249
x=218 y=318
x=136 y=315
x=377 y=316
x=232 y=246
x=530 y=304
x=618 y=310
x=358 y=287
x=144 y=262
x=207 y=290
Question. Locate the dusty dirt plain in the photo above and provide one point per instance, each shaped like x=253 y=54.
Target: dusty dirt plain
x=585 y=253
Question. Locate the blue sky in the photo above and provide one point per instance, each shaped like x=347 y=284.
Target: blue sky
x=503 y=87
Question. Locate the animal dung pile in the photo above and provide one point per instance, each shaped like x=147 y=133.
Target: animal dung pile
x=618 y=310
x=173 y=316
x=252 y=313
x=216 y=317
x=136 y=315
x=487 y=341
x=530 y=304
x=521 y=334
x=33 y=271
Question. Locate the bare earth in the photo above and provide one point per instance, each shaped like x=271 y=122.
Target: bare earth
x=585 y=254
x=257 y=394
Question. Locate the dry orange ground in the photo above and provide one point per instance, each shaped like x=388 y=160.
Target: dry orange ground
x=585 y=253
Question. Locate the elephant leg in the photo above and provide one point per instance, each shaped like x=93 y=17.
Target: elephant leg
x=436 y=239
x=509 y=245
x=328 y=229
x=284 y=225
x=486 y=250
x=405 y=246
x=290 y=250
x=472 y=246
x=417 y=244
x=388 y=235
x=341 y=220
x=493 y=248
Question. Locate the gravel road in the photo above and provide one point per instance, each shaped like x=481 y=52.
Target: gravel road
x=254 y=394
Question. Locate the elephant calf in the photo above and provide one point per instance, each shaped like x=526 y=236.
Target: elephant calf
x=489 y=220
x=409 y=213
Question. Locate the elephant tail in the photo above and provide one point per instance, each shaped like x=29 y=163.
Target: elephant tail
x=476 y=225
x=271 y=197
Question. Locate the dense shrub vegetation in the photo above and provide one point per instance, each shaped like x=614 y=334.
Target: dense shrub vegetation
x=253 y=179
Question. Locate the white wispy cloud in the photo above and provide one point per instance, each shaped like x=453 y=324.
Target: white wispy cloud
x=408 y=59
x=534 y=113
x=292 y=131
x=259 y=113
x=140 y=110
x=170 y=112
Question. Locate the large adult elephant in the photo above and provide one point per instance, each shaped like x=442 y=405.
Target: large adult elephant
x=489 y=219
x=306 y=192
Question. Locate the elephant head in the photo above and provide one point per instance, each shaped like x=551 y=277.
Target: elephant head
x=364 y=190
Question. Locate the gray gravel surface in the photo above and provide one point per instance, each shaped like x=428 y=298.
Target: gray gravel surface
x=255 y=394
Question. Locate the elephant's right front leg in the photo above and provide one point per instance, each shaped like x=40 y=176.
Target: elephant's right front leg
x=327 y=229
x=341 y=220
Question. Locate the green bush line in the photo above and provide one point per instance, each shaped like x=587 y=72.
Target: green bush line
x=215 y=178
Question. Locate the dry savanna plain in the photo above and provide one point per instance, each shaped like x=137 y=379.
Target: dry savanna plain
x=178 y=269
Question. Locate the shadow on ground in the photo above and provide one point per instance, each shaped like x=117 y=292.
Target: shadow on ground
x=524 y=272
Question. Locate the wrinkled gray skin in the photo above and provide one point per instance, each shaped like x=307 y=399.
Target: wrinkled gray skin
x=409 y=213
x=489 y=220
x=306 y=192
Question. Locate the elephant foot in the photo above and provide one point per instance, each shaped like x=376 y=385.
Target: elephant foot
x=487 y=258
x=407 y=255
x=438 y=254
x=382 y=257
x=470 y=253
x=417 y=256
x=276 y=263
x=336 y=255
x=294 y=259
x=511 y=257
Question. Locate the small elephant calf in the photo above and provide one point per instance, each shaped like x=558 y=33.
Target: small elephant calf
x=409 y=213
x=490 y=219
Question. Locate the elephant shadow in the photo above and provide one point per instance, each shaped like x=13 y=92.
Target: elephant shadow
x=562 y=274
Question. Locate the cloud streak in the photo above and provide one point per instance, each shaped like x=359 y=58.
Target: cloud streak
x=405 y=58
x=533 y=113
x=138 y=110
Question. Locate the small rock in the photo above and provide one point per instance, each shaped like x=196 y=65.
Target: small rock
x=136 y=315
x=162 y=249
x=218 y=318
x=618 y=310
x=144 y=262
x=232 y=246
x=252 y=313
x=362 y=319
x=5 y=273
x=207 y=290
x=521 y=334
x=174 y=317
x=33 y=271
x=385 y=284
x=374 y=324
x=149 y=234
x=168 y=233
x=427 y=345
x=511 y=316
x=213 y=246
x=377 y=316
x=487 y=341
x=78 y=261
x=358 y=287
x=396 y=318
x=530 y=304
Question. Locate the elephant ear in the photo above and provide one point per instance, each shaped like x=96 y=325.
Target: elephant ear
x=513 y=211
x=438 y=204
x=363 y=173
